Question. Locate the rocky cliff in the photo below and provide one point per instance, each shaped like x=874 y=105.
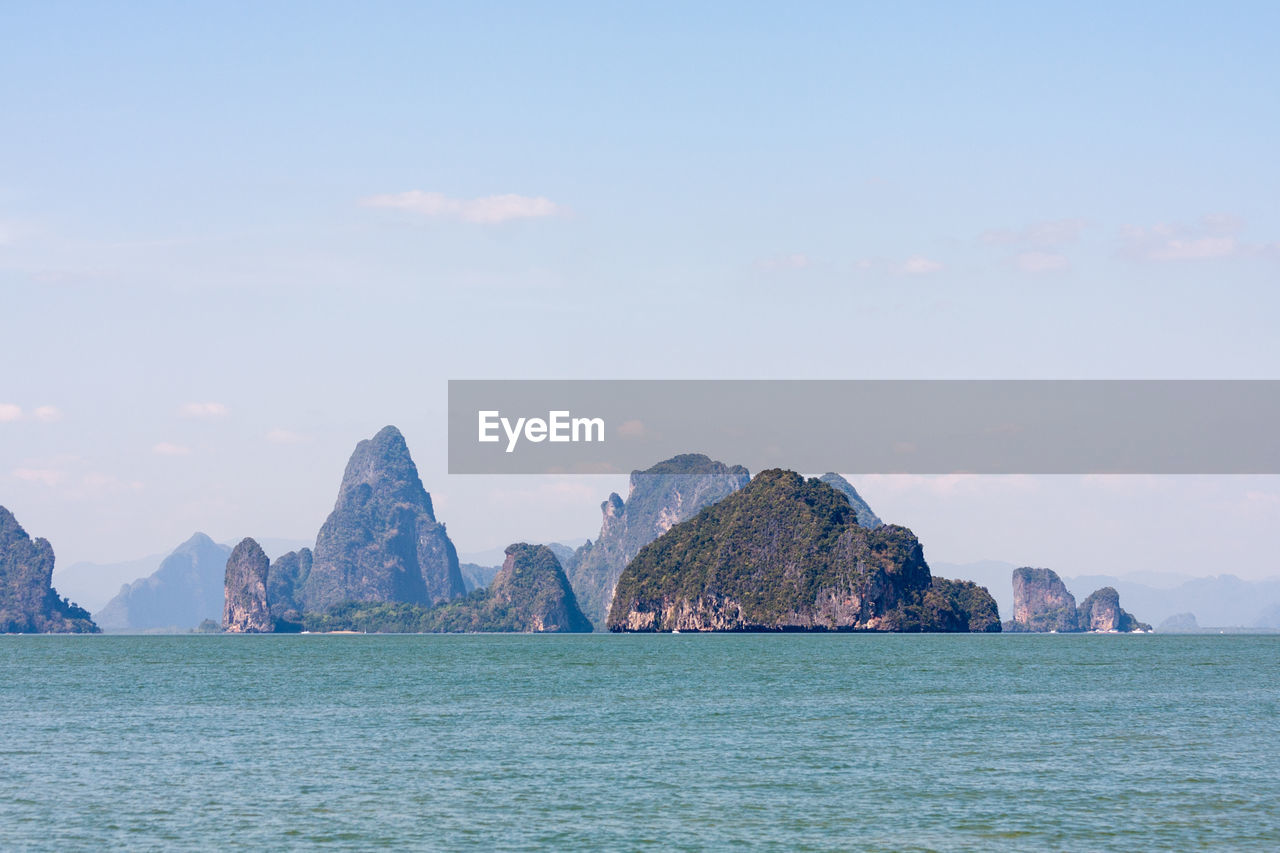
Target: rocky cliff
x=866 y=517
x=28 y=602
x=533 y=592
x=182 y=592
x=529 y=594
x=382 y=541
x=246 y=610
x=285 y=580
x=1041 y=602
x=659 y=498
x=786 y=553
x=1101 y=611
x=962 y=606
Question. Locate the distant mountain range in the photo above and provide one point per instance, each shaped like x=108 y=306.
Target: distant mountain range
x=185 y=590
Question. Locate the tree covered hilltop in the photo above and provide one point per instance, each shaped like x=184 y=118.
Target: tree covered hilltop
x=785 y=553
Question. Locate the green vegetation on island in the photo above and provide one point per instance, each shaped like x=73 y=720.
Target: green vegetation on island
x=530 y=594
x=786 y=553
x=28 y=602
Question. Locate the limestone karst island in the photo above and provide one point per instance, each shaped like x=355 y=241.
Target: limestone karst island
x=696 y=546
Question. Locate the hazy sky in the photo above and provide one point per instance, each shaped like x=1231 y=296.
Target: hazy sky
x=236 y=240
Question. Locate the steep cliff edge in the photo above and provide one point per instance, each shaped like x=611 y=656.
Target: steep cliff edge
x=786 y=553
x=1041 y=602
x=659 y=497
x=245 y=610
x=382 y=541
x=28 y=602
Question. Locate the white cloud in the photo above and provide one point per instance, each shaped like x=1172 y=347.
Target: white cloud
x=203 y=410
x=784 y=262
x=283 y=436
x=920 y=266
x=487 y=210
x=48 y=414
x=166 y=448
x=1194 y=250
x=1037 y=262
x=1212 y=237
x=9 y=412
x=45 y=476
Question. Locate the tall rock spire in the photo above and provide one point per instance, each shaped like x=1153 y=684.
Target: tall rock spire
x=382 y=541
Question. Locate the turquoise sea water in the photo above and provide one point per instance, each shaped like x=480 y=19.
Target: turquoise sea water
x=693 y=742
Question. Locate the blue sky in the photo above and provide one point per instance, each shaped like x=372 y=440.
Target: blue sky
x=236 y=239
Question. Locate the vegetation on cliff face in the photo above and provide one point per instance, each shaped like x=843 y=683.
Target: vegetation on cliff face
x=382 y=541
x=670 y=492
x=786 y=553
x=866 y=517
x=286 y=579
x=28 y=602
x=970 y=606
x=529 y=594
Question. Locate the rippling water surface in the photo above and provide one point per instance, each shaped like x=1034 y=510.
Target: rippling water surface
x=773 y=742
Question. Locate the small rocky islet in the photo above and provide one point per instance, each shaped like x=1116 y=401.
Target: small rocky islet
x=697 y=545
x=1042 y=604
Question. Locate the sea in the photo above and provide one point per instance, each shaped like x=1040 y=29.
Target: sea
x=781 y=742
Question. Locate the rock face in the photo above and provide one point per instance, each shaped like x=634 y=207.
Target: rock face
x=529 y=594
x=532 y=589
x=246 y=610
x=659 y=498
x=866 y=517
x=382 y=541
x=28 y=602
x=1101 y=612
x=285 y=580
x=786 y=553
x=1041 y=602
x=973 y=607
x=185 y=590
